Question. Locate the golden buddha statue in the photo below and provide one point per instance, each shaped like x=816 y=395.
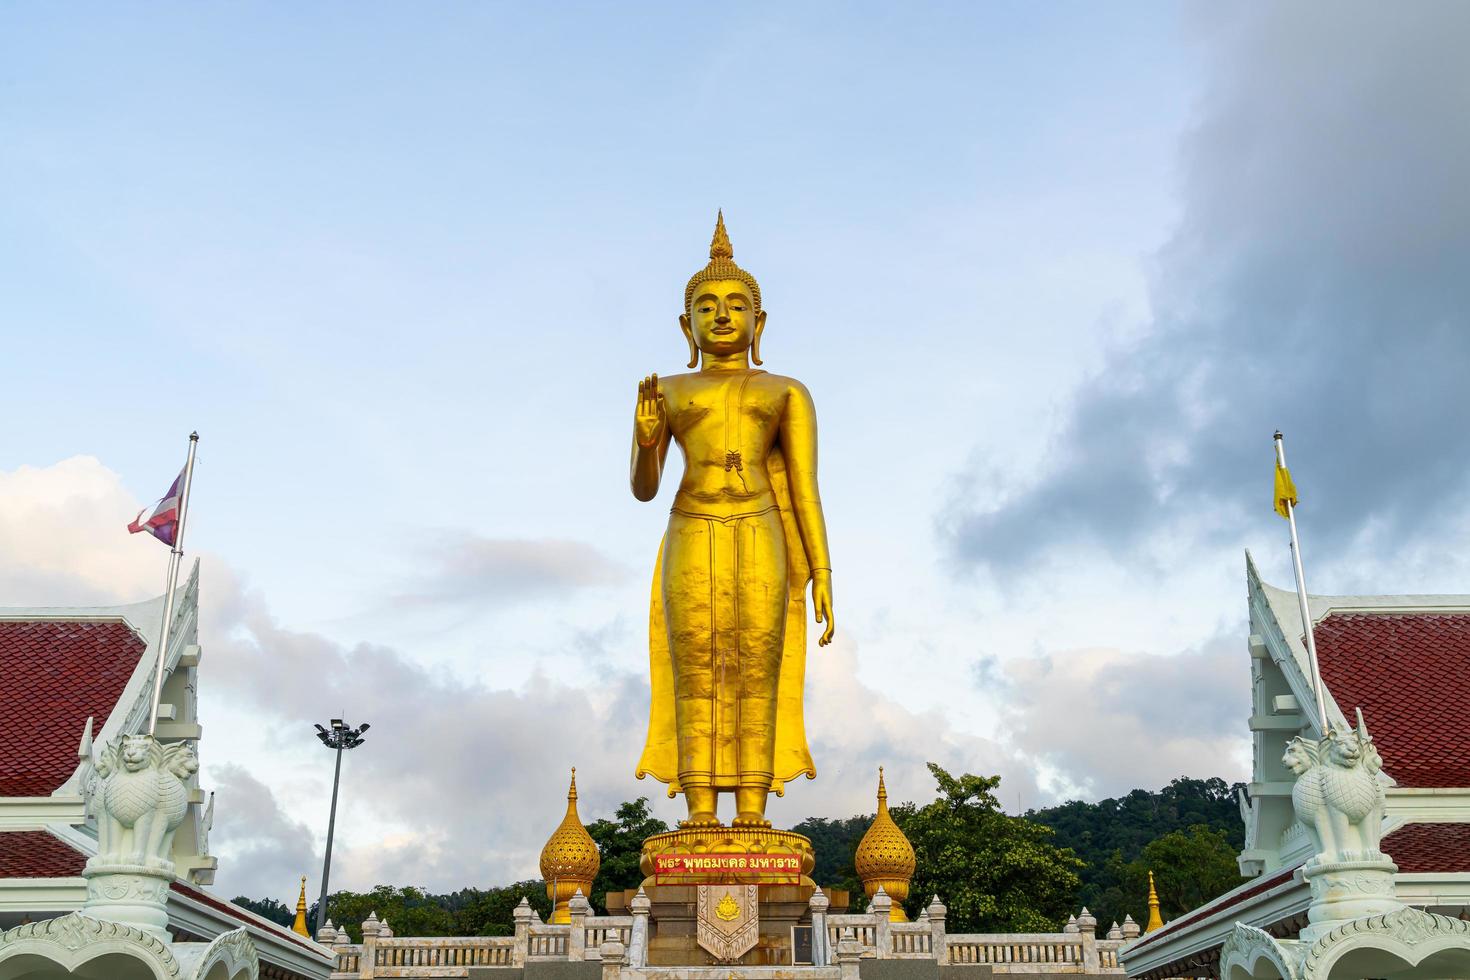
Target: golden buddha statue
x=727 y=623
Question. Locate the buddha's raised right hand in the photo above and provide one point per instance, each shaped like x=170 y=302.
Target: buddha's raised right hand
x=651 y=415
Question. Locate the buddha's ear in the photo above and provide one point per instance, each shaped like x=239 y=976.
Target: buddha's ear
x=689 y=336
x=755 y=341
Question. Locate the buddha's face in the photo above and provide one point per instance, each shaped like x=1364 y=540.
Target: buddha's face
x=722 y=317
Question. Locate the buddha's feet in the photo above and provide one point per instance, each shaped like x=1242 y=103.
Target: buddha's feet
x=750 y=820
x=700 y=821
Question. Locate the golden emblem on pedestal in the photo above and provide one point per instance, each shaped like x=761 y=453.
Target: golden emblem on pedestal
x=728 y=908
x=885 y=858
x=570 y=860
x=727 y=622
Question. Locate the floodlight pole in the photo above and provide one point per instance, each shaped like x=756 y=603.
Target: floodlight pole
x=341 y=736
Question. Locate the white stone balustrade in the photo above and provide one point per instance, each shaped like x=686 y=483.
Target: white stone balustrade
x=850 y=938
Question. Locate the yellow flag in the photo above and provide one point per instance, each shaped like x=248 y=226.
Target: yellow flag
x=1285 y=490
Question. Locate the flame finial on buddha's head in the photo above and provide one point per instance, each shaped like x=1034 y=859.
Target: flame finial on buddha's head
x=721 y=266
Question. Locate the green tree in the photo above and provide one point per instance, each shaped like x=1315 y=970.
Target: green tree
x=491 y=911
x=409 y=911
x=267 y=908
x=620 y=842
x=1190 y=867
x=835 y=842
x=995 y=872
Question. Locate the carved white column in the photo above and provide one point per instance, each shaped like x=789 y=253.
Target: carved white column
x=522 y=915
x=1087 y=926
x=849 y=955
x=638 y=938
x=883 y=935
x=578 y=908
x=818 y=904
x=937 y=911
x=612 y=959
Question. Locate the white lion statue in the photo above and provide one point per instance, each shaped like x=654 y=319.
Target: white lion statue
x=1337 y=796
x=138 y=790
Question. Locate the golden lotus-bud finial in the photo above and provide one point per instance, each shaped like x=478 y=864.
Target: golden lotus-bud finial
x=722 y=266
x=885 y=858
x=570 y=859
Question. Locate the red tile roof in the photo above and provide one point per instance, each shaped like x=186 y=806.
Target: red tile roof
x=1410 y=673
x=37 y=854
x=56 y=673
x=1433 y=847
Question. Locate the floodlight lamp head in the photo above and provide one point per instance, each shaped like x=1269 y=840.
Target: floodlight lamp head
x=338 y=723
x=365 y=727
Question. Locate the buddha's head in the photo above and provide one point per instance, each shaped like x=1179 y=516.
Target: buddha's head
x=722 y=305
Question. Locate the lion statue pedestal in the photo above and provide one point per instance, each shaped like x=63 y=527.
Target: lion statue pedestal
x=137 y=788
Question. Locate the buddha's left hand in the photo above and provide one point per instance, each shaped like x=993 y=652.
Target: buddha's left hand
x=822 y=603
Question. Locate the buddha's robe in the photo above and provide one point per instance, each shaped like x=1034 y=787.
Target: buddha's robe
x=727 y=649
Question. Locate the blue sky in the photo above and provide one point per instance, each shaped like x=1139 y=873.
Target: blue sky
x=1052 y=275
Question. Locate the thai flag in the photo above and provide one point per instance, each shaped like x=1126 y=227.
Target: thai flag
x=162 y=519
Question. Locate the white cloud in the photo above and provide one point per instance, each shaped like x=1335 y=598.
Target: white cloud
x=64 y=539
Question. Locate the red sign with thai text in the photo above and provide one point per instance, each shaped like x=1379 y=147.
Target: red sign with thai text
x=754 y=867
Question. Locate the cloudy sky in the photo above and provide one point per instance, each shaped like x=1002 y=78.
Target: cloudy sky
x=1052 y=274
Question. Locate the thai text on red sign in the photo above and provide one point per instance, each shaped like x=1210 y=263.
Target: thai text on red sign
x=719 y=865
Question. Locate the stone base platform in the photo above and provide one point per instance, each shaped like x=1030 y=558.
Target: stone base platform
x=674 y=923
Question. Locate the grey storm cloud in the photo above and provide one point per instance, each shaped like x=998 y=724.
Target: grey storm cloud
x=1109 y=721
x=1316 y=282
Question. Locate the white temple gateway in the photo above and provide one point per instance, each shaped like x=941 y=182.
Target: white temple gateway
x=1359 y=844
x=104 y=833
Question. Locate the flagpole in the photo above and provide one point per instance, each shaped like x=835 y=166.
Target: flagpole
x=1301 y=597
x=176 y=554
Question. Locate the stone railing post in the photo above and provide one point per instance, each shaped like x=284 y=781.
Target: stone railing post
x=612 y=959
x=938 y=939
x=821 y=953
x=849 y=955
x=883 y=934
x=523 y=916
x=578 y=908
x=370 y=928
x=327 y=935
x=638 y=939
x=1087 y=926
x=1131 y=929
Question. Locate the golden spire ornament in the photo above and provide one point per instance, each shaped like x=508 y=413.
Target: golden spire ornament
x=299 y=926
x=1155 y=921
x=885 y=858
x=570 y=860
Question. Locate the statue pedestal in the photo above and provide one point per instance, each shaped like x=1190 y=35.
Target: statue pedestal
x=1347 y=890
x=131 y=894
x=728 y=856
